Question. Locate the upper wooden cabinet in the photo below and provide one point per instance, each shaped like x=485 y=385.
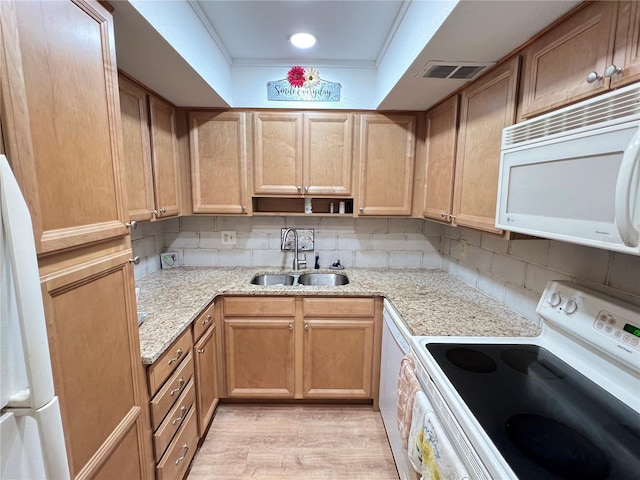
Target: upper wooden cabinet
x=486 y=107
x=165 y=159
x=218 y=150
x=440 y=160
x=61 y=121
x=626 y=51
x=303 y=153
x=558 y=64
x=150 y=147
x=386 y=157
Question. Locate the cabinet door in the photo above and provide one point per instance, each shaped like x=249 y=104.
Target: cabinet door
x=137 y=149
x=557 y=65
x=328 y=156
x=61 y=119
x=260 y=357
x=486 y=107
x=386 y=158
x=164 y=153
x=442 y=123
x=338 y=358
x=206 y=378
x=218 y=146
x=626 y=54
x=93 y=335
x=278 y=153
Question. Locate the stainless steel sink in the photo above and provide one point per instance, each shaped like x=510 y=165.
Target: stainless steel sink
x=273 y=279
x=323 y=279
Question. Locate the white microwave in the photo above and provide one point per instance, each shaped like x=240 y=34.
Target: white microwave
x=573 y=174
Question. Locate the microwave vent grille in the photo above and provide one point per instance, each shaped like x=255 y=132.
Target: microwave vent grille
x=620 y=104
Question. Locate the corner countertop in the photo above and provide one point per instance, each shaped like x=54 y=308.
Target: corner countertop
x=431 y=302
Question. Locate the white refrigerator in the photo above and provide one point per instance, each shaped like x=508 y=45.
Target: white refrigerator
x=31 y=437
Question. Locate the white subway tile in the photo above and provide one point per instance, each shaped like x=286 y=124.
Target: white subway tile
x=138 y=232
x=252 y=241
x=237 y=224
x=523 y=302
x=210 y=240
x=326 y=242
x=170 y=224
x=271 y=258
x=275 y=240
x=151 y=228
x=625 y=273
x=445 y=247
x=494 y=242
x=153 y=263
x=159 y=240
x=450 y=266
x=451 y=232
x=405 y=225
x=432 y=228
x=431 y=261
x=405 y=259
x=234 y=258
x=530 y=250
x=303 y=222
x=536 y=278
x=200 y=257
x=267 y=223
x=509 y=269
x=140 y=270
x=418 y=242
x=492 y=286
x=612 y=292
x=337 y=225
x=198 y=224
x=372 y=260
x=387 y=242
x=479 y=257
x=181 y=240
x=354 y=242
x=144 y=247
x=372 y=225
x=467 y=274
x=455 y=249
x=434 y=243
x=473 y=237
x=346 y=257
x=582 y=262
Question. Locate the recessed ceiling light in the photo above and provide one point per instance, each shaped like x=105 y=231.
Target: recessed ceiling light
x=302 y=40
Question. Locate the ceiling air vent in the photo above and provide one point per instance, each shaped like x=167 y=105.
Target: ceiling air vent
x=454 y=70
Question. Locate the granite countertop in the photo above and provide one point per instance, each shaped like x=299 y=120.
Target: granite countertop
x=431 y=302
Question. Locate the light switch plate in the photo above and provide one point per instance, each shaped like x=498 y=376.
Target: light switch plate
x=169 y=259
x=305 y=240
x=228 y=237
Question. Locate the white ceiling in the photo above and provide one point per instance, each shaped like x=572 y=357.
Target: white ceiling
x=191 y=51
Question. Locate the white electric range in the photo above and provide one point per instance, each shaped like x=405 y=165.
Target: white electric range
x=563 y=405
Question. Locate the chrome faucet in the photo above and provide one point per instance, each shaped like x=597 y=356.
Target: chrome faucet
x=297 y=263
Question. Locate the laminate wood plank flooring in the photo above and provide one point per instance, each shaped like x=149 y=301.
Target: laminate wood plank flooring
x=295 y=442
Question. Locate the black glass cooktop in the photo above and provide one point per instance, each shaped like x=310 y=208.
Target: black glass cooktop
x=547 y=420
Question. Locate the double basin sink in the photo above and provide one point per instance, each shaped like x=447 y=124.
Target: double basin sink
x=308 y=279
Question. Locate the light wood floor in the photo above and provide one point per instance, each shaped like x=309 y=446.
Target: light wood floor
x=295 y=442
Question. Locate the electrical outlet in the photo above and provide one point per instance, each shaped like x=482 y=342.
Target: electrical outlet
x=463 y=248
x=228 y=237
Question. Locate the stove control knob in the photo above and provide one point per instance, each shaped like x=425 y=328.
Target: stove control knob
x=555 y=299
x=570 y=307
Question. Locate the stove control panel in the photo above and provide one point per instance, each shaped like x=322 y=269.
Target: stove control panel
x=605 y=323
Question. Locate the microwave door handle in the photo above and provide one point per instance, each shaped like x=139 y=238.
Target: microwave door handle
x=624 y=221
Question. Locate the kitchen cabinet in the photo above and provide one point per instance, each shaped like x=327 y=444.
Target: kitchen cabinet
x=626 y=49
x=218 y=151
x=63 y=143
x=206 y=371
x=286 y=347
x=303 y=153
x=386 y=156
x=486 y=107
x=442 y=127
x=557 y=66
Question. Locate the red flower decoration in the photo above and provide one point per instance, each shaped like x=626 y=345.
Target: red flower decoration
x=296 y=76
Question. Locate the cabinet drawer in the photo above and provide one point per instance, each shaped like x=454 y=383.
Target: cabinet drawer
x=178 y=456
x=338 y=307
x=204 y=321
x=168 y=394
x=253 y=307
x=162 y=437
x=168 y=361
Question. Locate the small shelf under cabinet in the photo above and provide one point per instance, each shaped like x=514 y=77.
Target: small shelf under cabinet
x=265 y=206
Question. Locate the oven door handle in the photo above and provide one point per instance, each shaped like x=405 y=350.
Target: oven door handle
x=625 y=185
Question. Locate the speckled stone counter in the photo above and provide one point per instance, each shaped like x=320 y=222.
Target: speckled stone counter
x=430 y=302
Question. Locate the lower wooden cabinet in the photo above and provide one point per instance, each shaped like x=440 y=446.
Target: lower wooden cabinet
x=319 y=347
x=176 y=460
x=205 y=354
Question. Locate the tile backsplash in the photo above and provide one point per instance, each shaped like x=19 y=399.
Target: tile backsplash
x=512 y=272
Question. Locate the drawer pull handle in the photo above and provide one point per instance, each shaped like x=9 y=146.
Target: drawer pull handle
x=186 y=449
x=206 y=320
x=177 y=389
x=179 y=419
x=201 y=350
x=179 y=353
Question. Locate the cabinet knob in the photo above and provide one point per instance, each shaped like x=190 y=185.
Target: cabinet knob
x=299 y=189
x=163 y=210
x=451 y=217
x=443 y=215
x=154 y=213
x=291 y=326
x=243 y=208
x=593 y=77
x=135 y=260
x=612 y=70
x=306 y=327
x=132 y=225
x=361 y=209
x=201 y=350
x=306 y=189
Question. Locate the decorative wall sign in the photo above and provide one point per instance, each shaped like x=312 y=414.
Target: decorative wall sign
x=303 y=85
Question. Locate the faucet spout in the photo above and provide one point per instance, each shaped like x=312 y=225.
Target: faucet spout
x=297 y=263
